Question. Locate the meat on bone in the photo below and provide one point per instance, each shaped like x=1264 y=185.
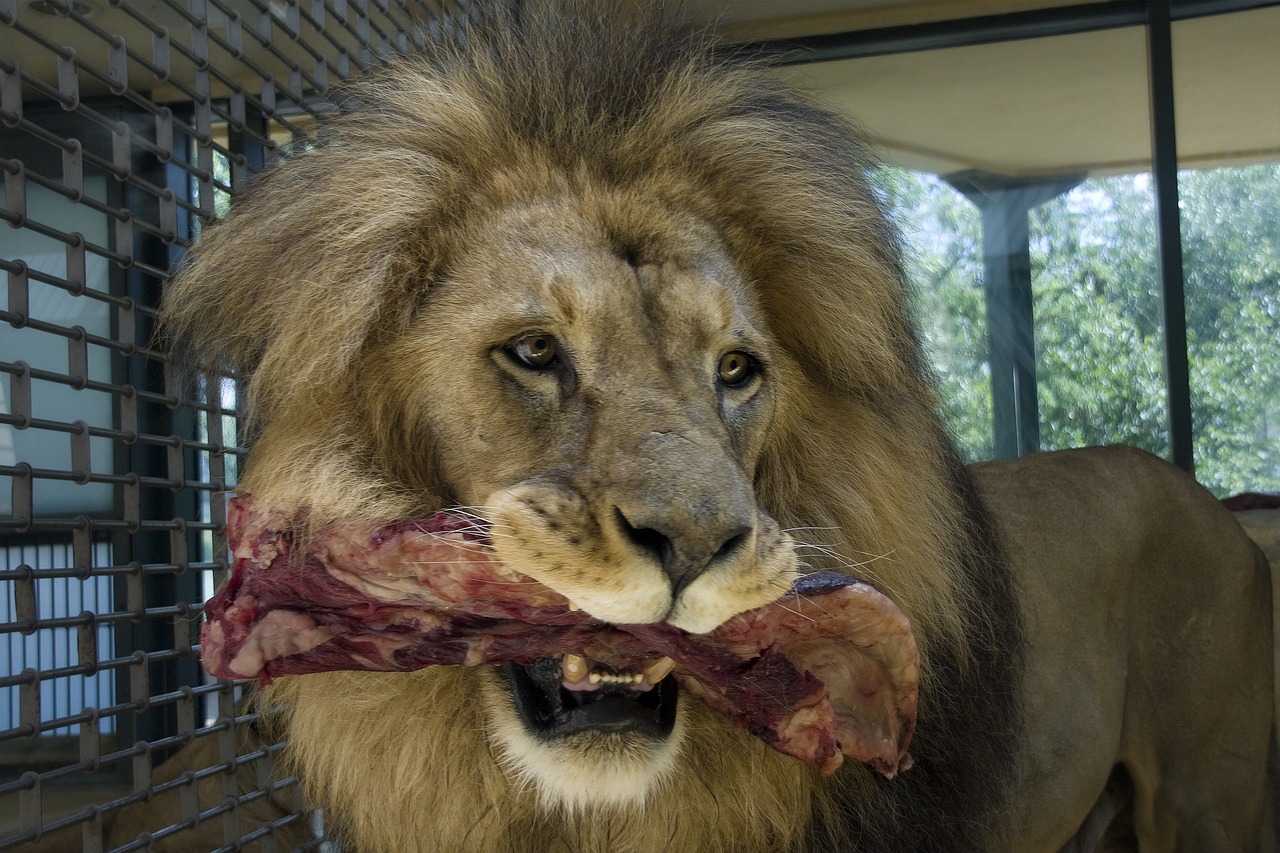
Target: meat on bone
x=829 y=669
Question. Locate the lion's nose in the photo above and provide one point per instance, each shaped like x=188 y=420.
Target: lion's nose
x=685 y=551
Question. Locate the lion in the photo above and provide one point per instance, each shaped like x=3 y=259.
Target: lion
x=637 y=306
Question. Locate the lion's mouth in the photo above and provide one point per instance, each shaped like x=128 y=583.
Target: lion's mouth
x=828 y=670
x=559 y=697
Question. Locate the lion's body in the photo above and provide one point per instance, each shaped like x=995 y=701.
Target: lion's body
x=1146 y=701
x=1149 y=677
x=1148 y=692
x=644 y=313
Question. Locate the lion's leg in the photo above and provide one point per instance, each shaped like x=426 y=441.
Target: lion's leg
x=1105 y=830
x=1166 y=820
x=1218 y=807
x=1197 y=735
x=1149 y=646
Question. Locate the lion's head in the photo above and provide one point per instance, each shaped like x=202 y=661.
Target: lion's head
x=642 y=311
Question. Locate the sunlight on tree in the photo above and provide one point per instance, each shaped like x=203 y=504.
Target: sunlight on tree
x=1097 y=307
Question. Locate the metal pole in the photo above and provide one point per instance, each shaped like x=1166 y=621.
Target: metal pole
x=1164 y=171
x=983 y=29
x=1005 y=204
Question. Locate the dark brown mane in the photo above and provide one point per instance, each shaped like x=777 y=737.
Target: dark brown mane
x=336 y=248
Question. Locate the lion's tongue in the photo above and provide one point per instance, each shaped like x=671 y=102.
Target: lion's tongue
x=828 y=670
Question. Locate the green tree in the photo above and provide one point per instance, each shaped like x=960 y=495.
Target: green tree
x=942 y=233
x=1231 y=251
x=1097 y=318
x=1098 y=314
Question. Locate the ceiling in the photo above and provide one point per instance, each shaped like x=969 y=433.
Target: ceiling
x=1035 y=107
x=1041 y=106
x=1066 y=104
x=774 y=19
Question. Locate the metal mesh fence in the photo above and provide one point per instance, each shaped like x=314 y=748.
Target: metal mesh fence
x=123 y=127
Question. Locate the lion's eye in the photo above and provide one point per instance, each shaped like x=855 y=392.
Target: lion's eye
x=736 y=369
x=536 y=350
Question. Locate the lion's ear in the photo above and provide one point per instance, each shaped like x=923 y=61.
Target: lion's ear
x=319 y=254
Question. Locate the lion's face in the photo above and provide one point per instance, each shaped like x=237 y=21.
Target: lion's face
x=615 y=305
x=602 y=400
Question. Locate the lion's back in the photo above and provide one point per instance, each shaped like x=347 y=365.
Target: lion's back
x=1148 y=632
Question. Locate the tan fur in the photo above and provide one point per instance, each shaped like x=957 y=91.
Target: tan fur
x=1149 y=680
x=299 y=314
x=1147 y=698
x=653 y=210
x=464 y=799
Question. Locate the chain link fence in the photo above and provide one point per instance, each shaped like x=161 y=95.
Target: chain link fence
x=123 y=127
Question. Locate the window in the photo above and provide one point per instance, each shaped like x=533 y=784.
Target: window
x=1020 y=172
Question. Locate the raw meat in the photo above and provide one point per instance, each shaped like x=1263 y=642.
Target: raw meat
x=830 y=669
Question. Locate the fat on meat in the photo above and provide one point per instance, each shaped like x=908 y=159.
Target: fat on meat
x=828 y=670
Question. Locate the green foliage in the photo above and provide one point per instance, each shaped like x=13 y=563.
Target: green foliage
x=1097 y=313
x=1097 y=299
x=1231 y=251
x=943 y=237
x=222 y=175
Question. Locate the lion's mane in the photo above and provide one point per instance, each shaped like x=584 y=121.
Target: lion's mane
x=333 y=250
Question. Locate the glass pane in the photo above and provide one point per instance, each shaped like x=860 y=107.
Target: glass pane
x=1229 y=194
x=943 y=236
x=1051 y=244
x=54 y=302
x=1099 y=344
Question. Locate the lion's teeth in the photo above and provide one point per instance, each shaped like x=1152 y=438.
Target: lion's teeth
x=655 y=671
x=579 y=670
x=631 y=678
x=574 y=668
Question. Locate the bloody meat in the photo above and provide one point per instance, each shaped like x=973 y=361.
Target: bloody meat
x=829 y=669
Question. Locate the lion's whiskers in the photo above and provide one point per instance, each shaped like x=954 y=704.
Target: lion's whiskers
x=840 y=558
x=797 y=612
x=478 y=524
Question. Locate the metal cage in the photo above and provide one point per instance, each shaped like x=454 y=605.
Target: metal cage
x=123 y=127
